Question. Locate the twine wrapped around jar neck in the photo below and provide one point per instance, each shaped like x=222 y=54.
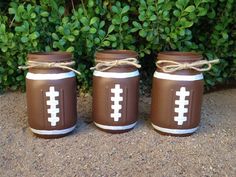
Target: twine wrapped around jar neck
x=62 y=65
x=172 y=66
x=106 y=65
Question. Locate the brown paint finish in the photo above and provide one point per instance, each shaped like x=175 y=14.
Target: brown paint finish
x=163 y=103
x=102 y=100
x=102 y=94
x=37 y=107
x=164 y=96
x=36 y=89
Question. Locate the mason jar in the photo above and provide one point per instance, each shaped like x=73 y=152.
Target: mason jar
x=177 y=96
x=51 y=95
x=115 y=92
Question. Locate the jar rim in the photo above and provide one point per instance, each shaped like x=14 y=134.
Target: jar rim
x=179 y=56
x=115 y=54
x=54 y=56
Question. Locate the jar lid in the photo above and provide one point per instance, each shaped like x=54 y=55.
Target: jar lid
x=50 y=56
x=115 y=54
x=179 y=56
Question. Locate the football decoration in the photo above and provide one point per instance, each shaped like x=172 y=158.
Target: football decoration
x=115 y=90
x=176 y=94
x=51 y=95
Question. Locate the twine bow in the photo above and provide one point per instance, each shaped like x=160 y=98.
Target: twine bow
x=62 y=65
x=105 y=65
x=176 y=66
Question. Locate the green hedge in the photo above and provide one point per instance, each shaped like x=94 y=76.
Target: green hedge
x=144 y=26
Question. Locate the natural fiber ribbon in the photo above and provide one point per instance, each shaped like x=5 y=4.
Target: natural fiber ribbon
x=105 y=65
x=62 y=65
x=176 y=66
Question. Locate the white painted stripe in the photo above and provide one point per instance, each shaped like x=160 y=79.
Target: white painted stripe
x=175 y=131
x=115 y=74
x=53 y=132
x=174 y=77
x=33 y=76
x=107 y=127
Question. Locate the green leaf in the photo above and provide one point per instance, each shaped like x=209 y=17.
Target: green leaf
x=160 y=1
x=137 y=25
x=125 y=9
x=90 y=3
x=142 y=17
x=106 y=43
x=182 y=32
x=70 y=49
x=202 y=11
x=134 y=30
x=185 y=23
x=212 y=14
x=19 y=29
x=93 y=20
x=112 y=37
x=190 y=9
x=71 y=38
x=93 y=30
x=85 y=28
x=29 y=7
x=34 y=35
x=97 y=40
x=11 y=11
x=2 y=28
x=102 y=24
x=65 y=20
x=176 y=13
x=55 y=36
x=62 y=42
x=20 y=78
x=225 y=35
x=24 y=39
x=44 y=14
x=61 y=10
x=153 y=17
x=33 y=15
x=84 y=20
x=21 y=9
x=48 y=48
x=4 y=49
x=101 y=33
x=167 y=30
x=197 y=2
x=76 y=32
x=125 y=19
x=142 y=33
x=116 y=21
x=115 y=9
x=181 y=4
x=111 y=28
x=178 y=5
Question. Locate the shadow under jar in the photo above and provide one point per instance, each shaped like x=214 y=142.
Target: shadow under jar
x=115 y=93
x=177 y=96
x=51 y=96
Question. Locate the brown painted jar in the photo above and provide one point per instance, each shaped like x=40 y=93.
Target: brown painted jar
x=115 y=93
x=177 y=96
x=51 y=96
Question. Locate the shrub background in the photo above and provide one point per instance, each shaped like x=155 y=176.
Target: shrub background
x=148 y=27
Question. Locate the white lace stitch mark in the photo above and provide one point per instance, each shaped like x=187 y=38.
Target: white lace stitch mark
x=181 y=103
x=52 y=102
x=117 y=90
